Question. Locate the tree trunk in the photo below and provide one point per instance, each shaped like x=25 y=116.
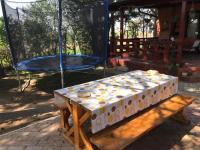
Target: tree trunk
x=2 y=71
x=74 y=44
x=65 y=42
x=55 y=48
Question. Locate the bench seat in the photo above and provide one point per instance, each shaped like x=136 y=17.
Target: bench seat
x=137 y=63
x=124 y=133
x=189 y=73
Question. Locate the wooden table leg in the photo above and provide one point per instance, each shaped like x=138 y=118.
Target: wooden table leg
x=62 y=119
x=181 y=117
x=85 y=139
x=75 y=117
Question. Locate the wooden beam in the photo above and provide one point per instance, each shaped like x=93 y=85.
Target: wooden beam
x=112 y=41
x=143 y=4
x=69 y=139
x=181 y=31
x=121 y=28
x=85 y=139
x=129 y=130
x=181 y=117
x=75 y=116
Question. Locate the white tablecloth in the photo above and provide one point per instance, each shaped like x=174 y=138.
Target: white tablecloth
x=115 y=98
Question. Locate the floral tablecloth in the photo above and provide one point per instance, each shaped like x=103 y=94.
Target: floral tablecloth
x=117 y=97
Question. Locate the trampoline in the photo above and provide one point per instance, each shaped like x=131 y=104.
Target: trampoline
x=40 y=32
x=51 y=63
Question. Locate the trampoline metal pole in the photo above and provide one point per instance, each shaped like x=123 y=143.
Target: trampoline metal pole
x=8 y=35
x=60 y=40
x=19 y=80
x=104 y=69
x=106 y=32
x=10 y=43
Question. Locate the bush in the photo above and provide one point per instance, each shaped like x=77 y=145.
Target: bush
x=4 y=50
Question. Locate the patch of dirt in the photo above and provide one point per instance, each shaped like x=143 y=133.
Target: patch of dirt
x=20 y=109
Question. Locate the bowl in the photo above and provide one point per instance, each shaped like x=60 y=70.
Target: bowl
x=84 y=93
x=152 y=72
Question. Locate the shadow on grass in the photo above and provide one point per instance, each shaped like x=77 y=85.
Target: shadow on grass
x=50 y=83
x=7 y=84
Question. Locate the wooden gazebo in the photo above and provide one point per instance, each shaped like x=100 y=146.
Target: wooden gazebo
x=160 y=45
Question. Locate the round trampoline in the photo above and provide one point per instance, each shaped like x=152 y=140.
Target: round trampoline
x=63 y=39
x=51 y=63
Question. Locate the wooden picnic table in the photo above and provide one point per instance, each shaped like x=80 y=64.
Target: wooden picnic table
x=112 y=100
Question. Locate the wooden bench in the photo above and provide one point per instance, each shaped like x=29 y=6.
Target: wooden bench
x=187 y=73
x=124 y=133
x=64 y=114
x=147 y=54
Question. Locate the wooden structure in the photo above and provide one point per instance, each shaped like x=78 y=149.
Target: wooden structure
x=187 y=73
x=123 y=133
x=171 y=22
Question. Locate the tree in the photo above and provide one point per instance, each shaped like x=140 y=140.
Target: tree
x=137 y=20
x=35 y=33
x=40 y=28
x=4 y=53
x=82 y=30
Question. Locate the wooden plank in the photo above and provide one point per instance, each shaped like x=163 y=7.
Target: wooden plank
x=85 y=139
x=85 y=116
x=70 y=131
x=82 y=120
x=123 y=134
x=76 y=126
x=62 y=119
x=66 y=119
x=66 y=102
x=181 y=30
x=70 y=139
x=181 y=117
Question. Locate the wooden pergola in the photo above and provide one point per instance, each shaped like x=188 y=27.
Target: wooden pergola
x=125 y=4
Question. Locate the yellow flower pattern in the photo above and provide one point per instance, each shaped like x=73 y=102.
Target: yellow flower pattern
x=115 y=98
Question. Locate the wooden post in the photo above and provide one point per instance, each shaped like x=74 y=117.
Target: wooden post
x=121 y=29
x=181 y=117
x=145 y=50
x=75 y=116
x=143 y=27
x=166 y=52
x=182 y=31
x=113 y=41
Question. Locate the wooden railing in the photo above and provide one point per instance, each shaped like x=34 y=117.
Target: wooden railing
x=147 y=49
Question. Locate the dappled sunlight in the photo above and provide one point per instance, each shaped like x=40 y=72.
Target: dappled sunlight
x=9 y=107
x=190 y=141
x=21 y=120
x=34 y=103
x=25 y=102
x=190 y=87
x=196 y=90
x=41 y=134
x=52 y=82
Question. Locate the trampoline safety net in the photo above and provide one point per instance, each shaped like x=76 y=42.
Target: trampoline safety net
x=33 y=34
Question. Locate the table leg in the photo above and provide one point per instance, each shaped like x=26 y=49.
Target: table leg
x=181 y=117
x=85 y=139
x=75 y=117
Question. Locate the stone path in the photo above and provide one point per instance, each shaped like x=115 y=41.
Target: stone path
x=44 y=135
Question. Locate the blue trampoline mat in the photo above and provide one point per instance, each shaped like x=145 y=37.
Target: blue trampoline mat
x=52 y=63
